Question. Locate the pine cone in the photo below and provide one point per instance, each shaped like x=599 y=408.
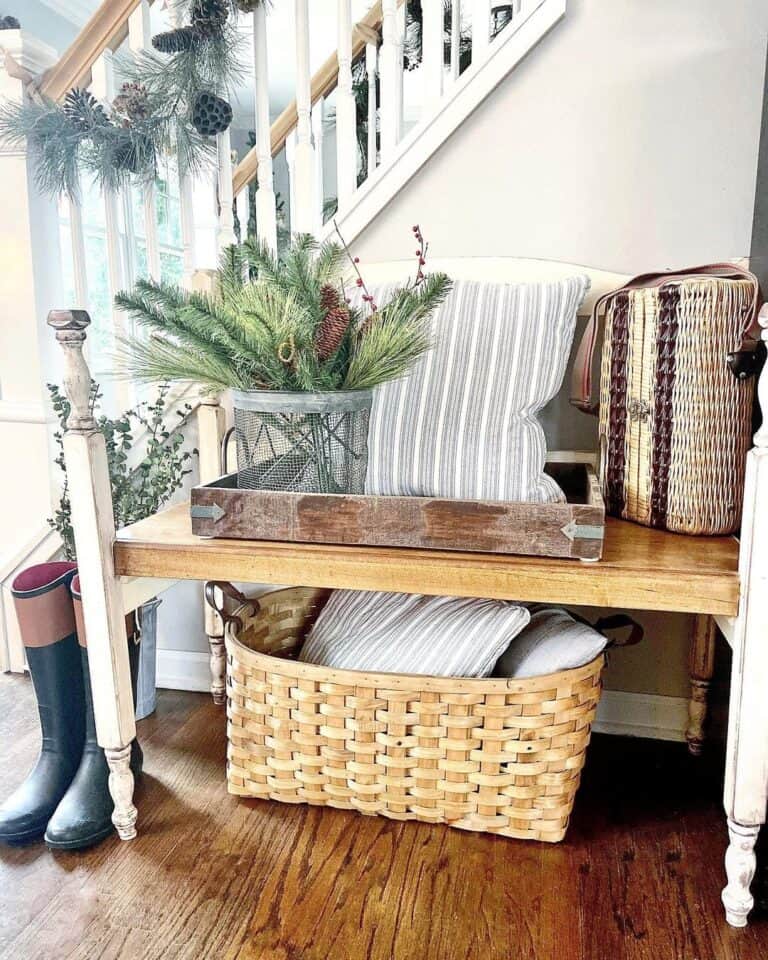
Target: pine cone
x=84 y=111
x=176 y=41
x=329 y=297
x=132 y=103
x=210 y=114
x=331 y=332
x=208 y=16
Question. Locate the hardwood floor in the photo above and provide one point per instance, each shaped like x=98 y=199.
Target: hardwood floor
x=638 y=877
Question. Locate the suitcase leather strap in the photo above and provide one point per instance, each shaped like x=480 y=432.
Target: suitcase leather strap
x=581 y=381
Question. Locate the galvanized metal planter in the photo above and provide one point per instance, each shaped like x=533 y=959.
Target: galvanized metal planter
x=302 y=442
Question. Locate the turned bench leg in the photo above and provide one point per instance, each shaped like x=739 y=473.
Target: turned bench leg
x=93 y=523
x=214 y=628
x=701 y=666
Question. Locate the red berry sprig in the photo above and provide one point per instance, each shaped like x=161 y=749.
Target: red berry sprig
x=421 y=254
x=367 y=298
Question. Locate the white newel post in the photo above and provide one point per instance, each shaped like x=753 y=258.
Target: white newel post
x=746 y=772
x=31 y=285
x=94 y=528
x=266 y=217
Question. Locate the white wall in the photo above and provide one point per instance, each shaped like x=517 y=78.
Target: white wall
x=627 y=140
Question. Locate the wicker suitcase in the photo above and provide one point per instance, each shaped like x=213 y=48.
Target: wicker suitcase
x=676 y=394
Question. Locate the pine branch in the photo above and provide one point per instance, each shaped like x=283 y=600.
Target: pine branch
x=396 y=335
x=158 y=360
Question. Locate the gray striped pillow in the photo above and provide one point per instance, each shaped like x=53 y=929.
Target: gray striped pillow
x=408 y=633
x=552 y=641
x=463 y=423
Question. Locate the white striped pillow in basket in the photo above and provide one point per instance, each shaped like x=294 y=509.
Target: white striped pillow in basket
x=463 y=423
x=413 y=634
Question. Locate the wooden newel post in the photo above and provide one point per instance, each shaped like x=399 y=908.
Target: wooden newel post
x=93 y=523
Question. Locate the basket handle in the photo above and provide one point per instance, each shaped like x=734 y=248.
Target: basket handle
x=228 y=590
x=743 y=361
x=224 y=448
x=620 y=621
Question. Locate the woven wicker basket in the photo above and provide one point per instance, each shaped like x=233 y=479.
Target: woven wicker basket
x=500 y=756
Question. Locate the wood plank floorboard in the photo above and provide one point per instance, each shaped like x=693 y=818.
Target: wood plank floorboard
x=638 y=877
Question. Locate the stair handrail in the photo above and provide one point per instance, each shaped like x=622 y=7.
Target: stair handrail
x=323 y=82
x=105 y=30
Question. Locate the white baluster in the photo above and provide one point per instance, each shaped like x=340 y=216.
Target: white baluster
x=139 y=27
x=226 y=232
x=103 y=88
x=129 y=245
x=139 y=34
x=186 y=202
x=187 y=217
x=150 y=230
x=266 y=218
x=371 y=65
x=481 y=29
x=243 y=212
x=318 y=134
x=79 y=263
x=455 y=38
x=346 y=114
x=432 y=51
x=290 y=154
x=304 y=158
x=390 y=73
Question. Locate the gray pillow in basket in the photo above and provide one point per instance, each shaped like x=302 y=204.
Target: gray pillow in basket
x=463 y=423
x=551 y=642
x=408 y=633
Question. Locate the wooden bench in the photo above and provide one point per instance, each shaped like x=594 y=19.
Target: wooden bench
x=717 y=579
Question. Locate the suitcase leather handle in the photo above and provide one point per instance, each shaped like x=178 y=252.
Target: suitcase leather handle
x=581 y=380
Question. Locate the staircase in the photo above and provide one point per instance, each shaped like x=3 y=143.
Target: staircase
x=456 y=53
x=349 y=142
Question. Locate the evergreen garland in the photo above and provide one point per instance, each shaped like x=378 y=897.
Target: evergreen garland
x=151 y=117
x=291 y=328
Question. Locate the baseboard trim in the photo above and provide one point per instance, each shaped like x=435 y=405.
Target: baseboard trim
x=183 y=670
x=620 y=713
x=642 y=715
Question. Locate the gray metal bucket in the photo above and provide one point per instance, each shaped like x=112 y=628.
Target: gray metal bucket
x=146 y=690
x=302 y=442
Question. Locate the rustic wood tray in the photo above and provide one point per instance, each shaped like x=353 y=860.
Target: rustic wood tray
x=572 y=529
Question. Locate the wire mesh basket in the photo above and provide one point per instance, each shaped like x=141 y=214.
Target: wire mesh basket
x=302 y=442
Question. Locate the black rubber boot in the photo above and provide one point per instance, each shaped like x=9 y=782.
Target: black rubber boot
x=47 y=624
x=84 y=816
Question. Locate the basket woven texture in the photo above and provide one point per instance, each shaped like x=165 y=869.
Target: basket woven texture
x=674 y=421
x=497 y=756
